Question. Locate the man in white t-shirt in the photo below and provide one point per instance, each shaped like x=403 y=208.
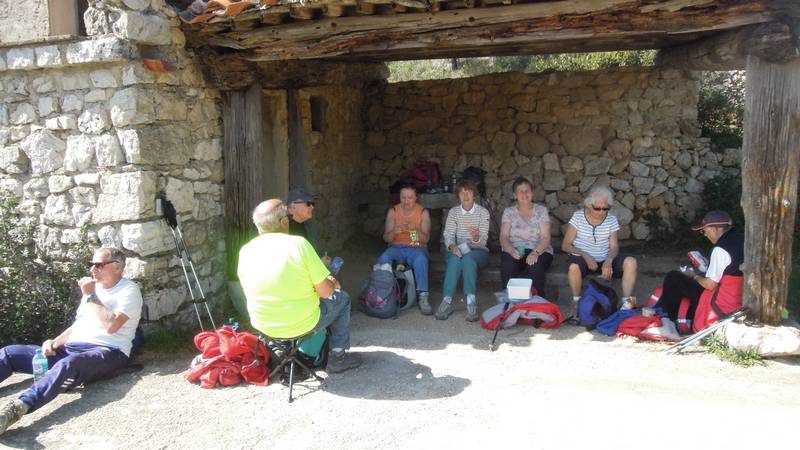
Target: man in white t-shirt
x=96 y=344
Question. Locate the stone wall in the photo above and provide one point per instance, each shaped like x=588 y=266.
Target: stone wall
x=334 y=160
x=634 y=130
x=23 y=20
x=89 y=136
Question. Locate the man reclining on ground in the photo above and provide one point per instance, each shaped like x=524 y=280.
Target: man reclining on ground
x=96 y=344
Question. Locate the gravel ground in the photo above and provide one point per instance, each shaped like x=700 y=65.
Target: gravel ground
x=432 y=384
x=425 y=384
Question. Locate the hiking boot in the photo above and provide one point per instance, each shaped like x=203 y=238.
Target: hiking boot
x=472 y=312
x=424 y=305
x=342 y=361
x=444 y=311
x=11 y=413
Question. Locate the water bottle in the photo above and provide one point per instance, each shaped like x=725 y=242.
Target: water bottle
x=336 y=265
x=39 y=363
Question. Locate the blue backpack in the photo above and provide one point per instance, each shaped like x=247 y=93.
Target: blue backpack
x=597 y=303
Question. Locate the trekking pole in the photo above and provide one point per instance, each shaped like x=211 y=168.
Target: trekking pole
x=170 y=216
x=697 y=337
x=499 y=325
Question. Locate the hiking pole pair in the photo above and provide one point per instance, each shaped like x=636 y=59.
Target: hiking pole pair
x=697 y=337
x=171 y=217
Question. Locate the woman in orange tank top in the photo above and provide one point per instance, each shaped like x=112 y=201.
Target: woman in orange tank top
x=407 y=230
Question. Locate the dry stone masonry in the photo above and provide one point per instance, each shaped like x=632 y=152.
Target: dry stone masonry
x=89 y=136
x=634 y=130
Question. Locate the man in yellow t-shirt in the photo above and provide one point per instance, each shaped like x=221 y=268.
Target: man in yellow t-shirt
x=289 y=290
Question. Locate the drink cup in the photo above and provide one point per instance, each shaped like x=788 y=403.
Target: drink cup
x=464 y=247
x=521 y=250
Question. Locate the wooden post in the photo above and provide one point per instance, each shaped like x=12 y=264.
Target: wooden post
x=770 y=164
x=242 y=149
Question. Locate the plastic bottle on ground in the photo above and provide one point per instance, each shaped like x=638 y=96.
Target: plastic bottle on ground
x=40 y=365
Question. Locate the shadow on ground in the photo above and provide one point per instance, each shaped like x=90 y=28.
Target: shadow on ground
x=409 y=380
x=98 y=395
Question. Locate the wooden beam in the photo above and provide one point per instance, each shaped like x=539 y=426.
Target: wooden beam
x=546 y=27
x=242 y=143
x=770 y=166
x=772 y=42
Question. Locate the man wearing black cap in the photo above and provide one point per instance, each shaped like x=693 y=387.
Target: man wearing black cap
x=719 y=292
x=300 y=204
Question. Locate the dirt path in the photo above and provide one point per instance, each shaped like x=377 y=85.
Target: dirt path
x=431 y=384
x=428 y=384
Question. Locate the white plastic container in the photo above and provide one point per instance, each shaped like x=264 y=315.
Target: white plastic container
x=519 y=288
x=464 y=247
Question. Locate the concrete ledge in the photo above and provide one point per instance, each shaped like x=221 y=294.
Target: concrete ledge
x=47 y=55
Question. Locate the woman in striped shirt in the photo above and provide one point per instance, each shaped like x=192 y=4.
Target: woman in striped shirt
x=465 y=233
x=592 y=244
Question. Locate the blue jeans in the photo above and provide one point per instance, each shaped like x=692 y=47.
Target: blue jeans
x=468 y=265
x=334 y=312
x=72 y=365
x=416 y=257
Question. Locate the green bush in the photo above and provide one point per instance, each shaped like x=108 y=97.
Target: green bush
x=720 y=108
x=38 y=296
x=468 y=67
x=724 y=193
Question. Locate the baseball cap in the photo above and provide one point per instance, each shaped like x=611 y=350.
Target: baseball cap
x=299 y=195
x=714 y=219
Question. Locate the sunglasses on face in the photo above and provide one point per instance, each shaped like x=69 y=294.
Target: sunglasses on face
x=100 y=265
x=601 y=209
x=300 y=203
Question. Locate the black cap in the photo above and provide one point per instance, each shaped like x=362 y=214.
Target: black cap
x=299 y=195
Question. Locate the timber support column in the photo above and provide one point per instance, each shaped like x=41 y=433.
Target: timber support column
x=770 y=165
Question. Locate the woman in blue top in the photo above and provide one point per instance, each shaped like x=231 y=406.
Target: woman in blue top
x=593 y=246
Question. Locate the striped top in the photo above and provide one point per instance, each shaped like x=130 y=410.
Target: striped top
x=456 y=228
x=594 y=239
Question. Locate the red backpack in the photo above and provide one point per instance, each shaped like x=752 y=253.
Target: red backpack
x=228 y=357
x=424 y=175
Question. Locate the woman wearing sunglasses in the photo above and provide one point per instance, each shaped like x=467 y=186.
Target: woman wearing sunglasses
x=592 y=243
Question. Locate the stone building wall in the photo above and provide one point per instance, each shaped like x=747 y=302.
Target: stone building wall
x=23 y=20
x=334 y=160
x=634 y=130
x=89 y=136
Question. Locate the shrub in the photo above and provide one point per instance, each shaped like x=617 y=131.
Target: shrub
x=720 y=108
x=724 y=193
x=38 y=296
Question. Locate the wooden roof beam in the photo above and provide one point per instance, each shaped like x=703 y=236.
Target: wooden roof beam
x=504 y=30
x=774 y=42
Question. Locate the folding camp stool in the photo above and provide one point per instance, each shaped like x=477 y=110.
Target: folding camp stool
x=288 y=354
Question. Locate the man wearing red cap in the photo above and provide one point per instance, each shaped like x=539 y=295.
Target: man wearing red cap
x=719 y=292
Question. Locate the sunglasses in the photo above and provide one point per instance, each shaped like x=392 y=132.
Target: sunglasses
x=601 y=209
x=100 y=265
x=301 y=202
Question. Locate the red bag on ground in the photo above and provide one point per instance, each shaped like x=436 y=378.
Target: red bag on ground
x=527 y=312
x=228 y=357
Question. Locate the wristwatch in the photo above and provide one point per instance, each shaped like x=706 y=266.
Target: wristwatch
x=91 y=297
